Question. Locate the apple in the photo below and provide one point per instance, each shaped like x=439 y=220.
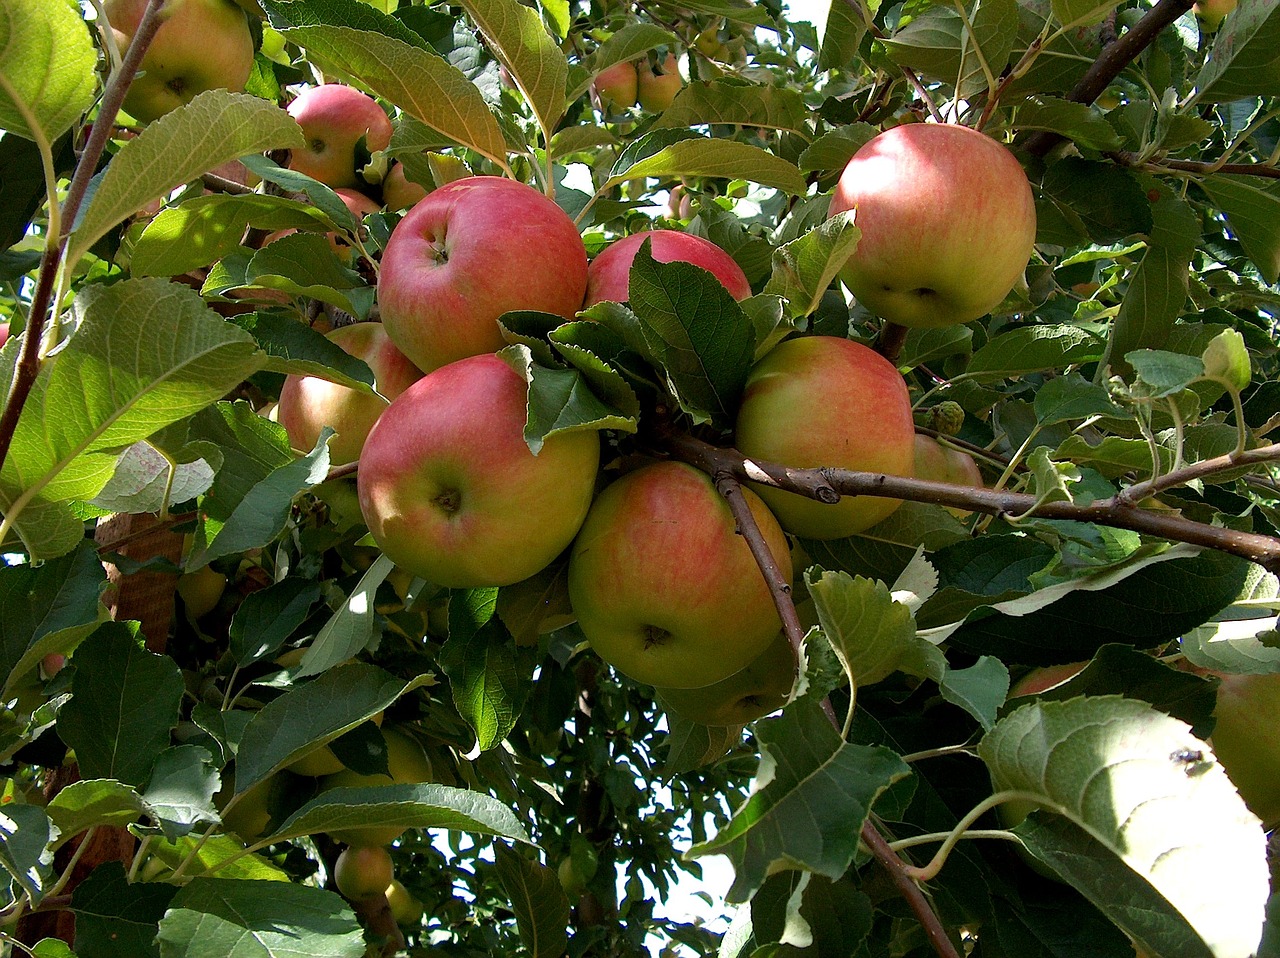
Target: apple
x=948 y=224
x=679 y=203
x=201 y=589
x=942 y=463
x=470 y=251
x=609 y=275
x=201 y=45
x=617 y=86
x=4 y=333
x=664 y=587
x=405 y=909
x=363 y=872
x=656 y=89
x=334 y=119
x=1210 y=13
x=398 y=191
x=1044 y=678
x=1245 y=741
x=360 y=207
x=308 y=403
x=824 y=401
x=762 y=687
x=450 y=490
x=407 y=764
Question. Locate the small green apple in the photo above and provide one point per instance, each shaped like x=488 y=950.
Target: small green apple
x=407 y=764
x=363 y=872
x=1210 y=13
x=405 y=909
x=201 y=589
x=617 y=86
x=655 y=89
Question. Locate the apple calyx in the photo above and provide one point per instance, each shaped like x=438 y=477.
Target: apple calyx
x=449 y=501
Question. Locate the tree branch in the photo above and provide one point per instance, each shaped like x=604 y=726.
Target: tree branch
x=1134 y=161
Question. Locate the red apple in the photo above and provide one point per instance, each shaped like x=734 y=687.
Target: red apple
x=664 y=587
x=201 y=45
x=825 y=401
x=450 y=490
x=334 y=119
x=762 y=687
x=398 y=191
x=472 y=250
x=942 y=463
x=616 y=86
x=309 y=403
x=948 y=224
x=656 y=89
x=1042 y=679
x=609 y=275
x=363 y=872
x=4 y=333
x=1246 y=742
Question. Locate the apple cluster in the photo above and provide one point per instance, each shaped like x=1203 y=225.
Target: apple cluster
x=623 y=85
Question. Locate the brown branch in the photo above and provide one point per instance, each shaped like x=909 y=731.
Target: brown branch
x=910 y=74
x=1199 y=470
x=963 y=445
x=1112 y=61
x=381 y=924
x=907 y=887
x=220 y=184
x=29 y=363
x=1134 y=161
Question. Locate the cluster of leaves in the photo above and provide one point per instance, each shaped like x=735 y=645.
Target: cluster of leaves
x=1142 y=342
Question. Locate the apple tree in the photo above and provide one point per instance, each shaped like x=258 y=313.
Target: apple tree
x=462 y=465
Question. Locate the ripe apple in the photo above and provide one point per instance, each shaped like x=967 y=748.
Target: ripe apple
x=948 y=224
x=309 y=403
x=1042 y=679
x=617 y=86
x=1210 y=13
x=360 y=207
x=407 y=764
x=201 y=45
x=363 y=872
x=762 y=687
x=825 y=401
x=609 y=275
x=450 y=490
x=664 y=587
x=1245 y=740
x=656 y=89
x=398 y=191
x=469 y=252
x=679 y=203
x=4 y=333
x=942 y=463
x=334 y=119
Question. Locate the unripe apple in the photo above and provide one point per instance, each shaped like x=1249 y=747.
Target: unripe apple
x=201 y=589
x=364 y=871
x=200 y=45
x=1042 y=679
x=470 y=251
x=609 y=275
x=656 y=89
x=1246 y=742
x=948 y=224
x=679 y=203
x=1210 y=13
x=762 y=687
x=405 y=909
x=450 y=490
x=664 y=587
x=407 y=764
x=334 y=119
x=616 y=86
x=942 y=463
x=309 y=403
x=398 y=191
x=824 y=401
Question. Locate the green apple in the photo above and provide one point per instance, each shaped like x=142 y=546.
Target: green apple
x=398 y=191
x=1210 y=13
x=335 y=118
x=655 y=89
x=825 y=401
x=201 y=45
x=308 y=403
x=609 y=275
x=762 y=687
x=948 y=224
x=201 y=589
x=363 y=872
x=617 y=86
x=664 y=587
x=1246 y=740
x=405 y=909
x=939 y=462
x=407 y=764
x=450 y=490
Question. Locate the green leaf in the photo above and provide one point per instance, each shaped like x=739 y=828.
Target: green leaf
x=1114 y=456
x=811 y=795
x=90 y=802
x=146 y=480
x=695 y=155
x=1033 y=349
x=266 y=618
x=730 y=100
x=256 y=919
x=1105 y=203
x=701 y=337
x=541 y=907
x=180 y=793
x=844 y=32
x=222 y=853
x=104 y=393
x=487 y=674
x=296 y=349
x=1070 y=398
x=534 y=59
x=408 y=806
x=47 y=75
x=124 y=703
x=980 y=689
x=351 y=629
x=1253 y=213
x=1079 y=122
x=833 y=150
x=1051 y=481
x=26 y=835
x=214 y=128
x=1233 y=646
x=1161 y=373
x=116 y=917
x=690 y=746
x=565 y=400
x=305 y=266
x=938 y=43
x=1080 y=13
x=628 y=43
x=1115 y=768
x=804 y=268
x=314 y=714
x=1246 y=56
x=873 y=635
x=578 y=343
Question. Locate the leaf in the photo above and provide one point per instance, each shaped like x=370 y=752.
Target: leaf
x=1072 y=397
x=221 y=853
x=104 y=393
x=562 y=400
x=180 y=793
x=540 y=905
x=937 y=42
x=1114 y=767
x=1080 y=13
x=115 y=917
x=86 y=803
x=305 y=266
x=124 y=703
x=486 y=674
x=215 y=127
x=873 y=635
x=1246 y=53
x=296 y=349
x=980 y=689
x=695 y=155
x=534 y=59
x=1033 y=349
x=1108 y=204
x=1233 y=646
x=47 y=60
x=351 y=629
x=145 y=480
x=256 y=919
x=314 y=714
x=1080 y=122
x=628 y=43
x=408 y=806
x=729 y=100
x=26 y=835
x=804 y=268
x=1161 y=373
x=1253 y=213
x=845 y=29
x=809 y=800
x=1051 y=480
x=700 y=336
x=266 y=618
x=833 y=150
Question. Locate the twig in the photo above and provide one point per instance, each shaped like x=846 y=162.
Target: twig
x=220 y=184
x=1199 y=470
x=1133 y=160
x=891 y=340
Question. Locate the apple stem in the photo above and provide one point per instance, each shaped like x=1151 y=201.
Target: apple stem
x=890 y=341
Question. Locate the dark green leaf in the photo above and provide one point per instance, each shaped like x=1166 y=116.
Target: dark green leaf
x=116 y=918
x=266 y=618
x=542 y=910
